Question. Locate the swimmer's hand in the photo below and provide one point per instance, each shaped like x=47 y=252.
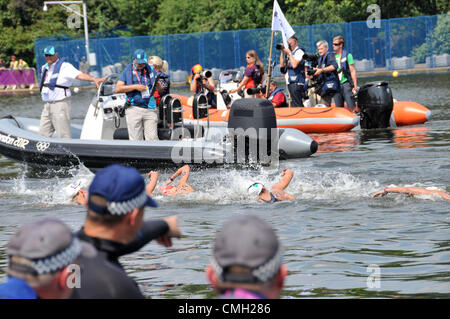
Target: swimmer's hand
x=81 y=197
x=380 y=193
x=151 y=174
x=285 y=171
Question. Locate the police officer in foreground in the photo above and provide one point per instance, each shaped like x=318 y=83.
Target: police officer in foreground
x=57 y=77
x=115 y=226
x=295 y=75
x=247 y=260
x=43 y=258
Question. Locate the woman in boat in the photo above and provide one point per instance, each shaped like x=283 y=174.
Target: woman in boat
x=163 y=84
x=254 y=73
x=412 y=191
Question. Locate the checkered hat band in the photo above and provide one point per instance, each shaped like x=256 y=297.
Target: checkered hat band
x=59 y=261
x=264 y=272
x=123 y=208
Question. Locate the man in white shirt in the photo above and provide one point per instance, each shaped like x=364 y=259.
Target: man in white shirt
x=295 y=71
x=57 y=77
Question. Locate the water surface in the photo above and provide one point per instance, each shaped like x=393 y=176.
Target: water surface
x=332 y=232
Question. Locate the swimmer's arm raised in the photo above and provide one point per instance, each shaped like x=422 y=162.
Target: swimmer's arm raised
x=150 y=187
x=286 y=178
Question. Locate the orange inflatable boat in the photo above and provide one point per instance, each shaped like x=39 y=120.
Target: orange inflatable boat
x=409 y=113
x=316 y=119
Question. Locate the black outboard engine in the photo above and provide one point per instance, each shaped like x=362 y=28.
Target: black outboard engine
x=375 y=103
x=252 y=123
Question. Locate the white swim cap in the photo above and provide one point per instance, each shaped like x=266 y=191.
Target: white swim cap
x=72 y=189
x=255 y=189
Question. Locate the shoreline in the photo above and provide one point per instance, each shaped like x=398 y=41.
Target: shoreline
x=383 y=71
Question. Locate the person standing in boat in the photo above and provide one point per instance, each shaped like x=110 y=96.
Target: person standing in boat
x=326 y=71
x=346 y=73
x=253 y=74
x=163 y=84
x=57 y=77
x=201 y=84
x=137 y=81
x=295 y=75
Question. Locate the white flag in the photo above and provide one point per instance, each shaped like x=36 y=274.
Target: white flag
x=279 y=23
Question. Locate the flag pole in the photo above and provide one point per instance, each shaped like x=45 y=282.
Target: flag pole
x=269 y=70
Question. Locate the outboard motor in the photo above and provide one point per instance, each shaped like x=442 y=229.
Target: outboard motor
x=375 y=103
x=200 y=110
x=252 y=122
x=170 y=113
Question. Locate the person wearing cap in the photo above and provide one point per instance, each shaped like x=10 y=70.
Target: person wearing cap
x=138 y=82
x=182 y=187
x=198 y=83
x=41 y=256
x=57 y=77
x=163 y=84
x=77 y=192
x=276 y=194
x=295 y=70
x=114 y=222
x=247 y=260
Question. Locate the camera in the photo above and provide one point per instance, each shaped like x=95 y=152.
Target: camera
x=253 y=91
x=312 y=60
x=207 y=74
x=279 y=46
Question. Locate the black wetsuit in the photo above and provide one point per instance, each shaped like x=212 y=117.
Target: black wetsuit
x=101 y=279
x=104 y=276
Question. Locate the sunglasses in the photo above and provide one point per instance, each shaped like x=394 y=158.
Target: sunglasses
x=48 y=55
x=336 y=44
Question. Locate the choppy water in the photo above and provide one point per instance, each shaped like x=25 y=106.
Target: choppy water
x=332 y=232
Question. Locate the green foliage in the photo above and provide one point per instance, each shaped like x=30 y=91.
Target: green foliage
x=23 y=21
x=440 y=42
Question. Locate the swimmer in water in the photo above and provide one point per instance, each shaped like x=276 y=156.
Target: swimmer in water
x=77 y=192
x=166 y=188
x=412 y=191
x=277 y=193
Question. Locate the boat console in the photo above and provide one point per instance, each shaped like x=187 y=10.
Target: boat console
x=106 y=120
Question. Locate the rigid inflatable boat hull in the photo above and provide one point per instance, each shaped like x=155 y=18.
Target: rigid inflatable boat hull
x=20 y=141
